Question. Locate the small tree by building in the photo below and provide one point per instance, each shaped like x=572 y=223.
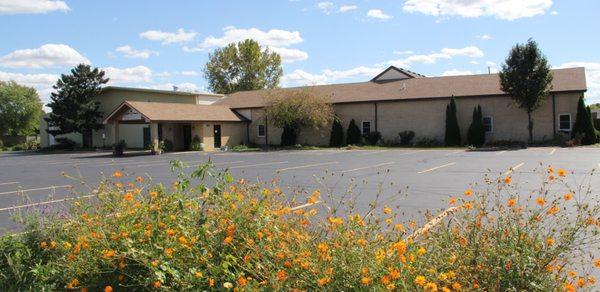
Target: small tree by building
x=294 y=110
x=20 y=109
x=73 y=104
x=584 y=127
x=476 y=133
x=336 y=139
x=452 y=137
x=353 y=134
x=527 y=78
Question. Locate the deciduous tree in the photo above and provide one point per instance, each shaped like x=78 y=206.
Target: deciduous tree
x=20 y=109
x=242 y=66
x=527 y=78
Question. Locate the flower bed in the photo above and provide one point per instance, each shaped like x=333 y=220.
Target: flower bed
x=236 y=235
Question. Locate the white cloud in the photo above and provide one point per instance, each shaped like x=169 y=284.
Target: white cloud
x=346 y=8
x=501 y=9
x=41 y=82
x=377 y=13
x=180 y=36
x=554 y=12
x=290 y=55
x=474 y=62
x=32 y=6
x=491 y=64
x=409 y=52
x=445 y=53
x=592 y=76
x=48 y=55
x=189 y=73
x=485 y=37
x=301 y=78
x=455 y=72
x=325 y=6
x=185 y=87
x=137 y=74
x=130 y=52
x=276 y=39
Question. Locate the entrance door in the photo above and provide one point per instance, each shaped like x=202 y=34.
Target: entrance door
x=217 y=130
x=146 y=137
x=187 y=137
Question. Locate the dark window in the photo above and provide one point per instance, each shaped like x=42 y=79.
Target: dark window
x=564 y=122
x=261 y=131
x=366 y=127
x=488 y=124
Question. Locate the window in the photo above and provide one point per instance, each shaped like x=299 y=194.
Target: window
x=488 y=124
x=366 y=127
x=260 y=130
x=564 y=122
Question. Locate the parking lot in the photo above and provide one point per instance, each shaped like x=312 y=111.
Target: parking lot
x=426 y=177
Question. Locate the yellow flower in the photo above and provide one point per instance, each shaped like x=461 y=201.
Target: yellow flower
x=568 y=196
x=468 y=192
x=43 y=245
x=581 y=282
x=227 y=285
x=361 y=242
x=108 y=253
x=335 y=221
x=366 y=281
x=553 y=210
x=314 y=198
x=550 y=241
x=507 y=180
x=421 y=251
x=387 y=210
x=74 y=283
x=430 y=287
x=452 y=201
x=562 y=172
x=420 y=280
x=198 y=274
x=169 y=252
x=117 y=174
x=456 y=286
x=399 y=227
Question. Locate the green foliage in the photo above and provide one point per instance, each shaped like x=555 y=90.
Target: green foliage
x=372 y=138
x=353 y=134
x=584 y=126
x=452 y=136
x=336 y=138
x=526 y=77
x=406 y=137
x=73 y=104
x=65 y=144
x=196 y=145
x=428 y=142
x=20 y=109
x=242 y=66
x=166 y=145
x=476 y=133
x=294 y=110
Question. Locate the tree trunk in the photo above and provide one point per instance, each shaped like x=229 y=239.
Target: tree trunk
x=530 y=126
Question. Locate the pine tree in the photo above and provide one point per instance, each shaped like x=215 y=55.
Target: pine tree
x=452 y=137
x=336 y=139
x=584 y=126
x=482 y=128
x=591 y=134
x=353 y=134
x=73 y=104
x=476 y=133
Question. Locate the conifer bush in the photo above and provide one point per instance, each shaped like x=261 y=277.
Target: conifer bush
x=452 y=136
x=476 y=133
x=336 y=139
x=353 y=136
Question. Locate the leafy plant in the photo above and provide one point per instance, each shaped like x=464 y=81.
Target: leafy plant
x=196 y=145
x=166 y=145
x=119 y=148
x=373 y=138
x=406 y=137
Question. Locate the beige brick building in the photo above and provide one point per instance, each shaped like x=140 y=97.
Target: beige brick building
x=394 y=101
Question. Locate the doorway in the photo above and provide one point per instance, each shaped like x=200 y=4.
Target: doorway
x=146 y=137
x=187 y=137
x=217 y=131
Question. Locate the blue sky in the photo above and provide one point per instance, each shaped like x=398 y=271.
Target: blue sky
x=158 y=44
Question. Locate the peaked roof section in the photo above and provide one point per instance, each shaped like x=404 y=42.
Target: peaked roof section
x=393 y=73
x=178 y=112
x=108 y=88
x=571 y=79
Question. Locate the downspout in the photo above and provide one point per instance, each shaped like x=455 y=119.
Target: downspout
x=267 y=131
x=554 y=114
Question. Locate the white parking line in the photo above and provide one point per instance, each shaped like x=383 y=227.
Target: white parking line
x=553 y=150
x=36 y=189
x=260 y=164
x=306 y=166
x=514 y=168
x=437 y=167
x=367 y=167
x=216 y=164
x=454 y=152
x=44 y=203
x=501 y=152
x=374 y=152
x=9 y=183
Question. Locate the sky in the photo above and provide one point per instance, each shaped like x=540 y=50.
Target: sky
x=161 y=44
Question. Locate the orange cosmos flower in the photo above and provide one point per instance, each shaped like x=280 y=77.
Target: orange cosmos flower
x=540 y=201
x=156 y=284
x=366 y=281
x=562 y=172
x=108 y=289
x=323 y=281
x=420 y=280
x=128 y=196
x=553 y=210
x=170 y=232
x=550 y=241
x=597 y=263
x=242 y=281
x=456 y=286
x=511 y=202
x=117 y=174
x=387 y=210
x=568 y=196
x=228 y=240
x=507 y=180
x=452 y=201
x=169 y=252
x=281 y=275
x=314 y=198
x=139 y=179
x=468 y=192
